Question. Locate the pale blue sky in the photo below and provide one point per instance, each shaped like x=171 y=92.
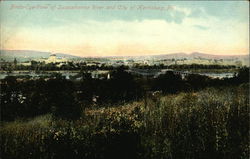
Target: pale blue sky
x=183 y=26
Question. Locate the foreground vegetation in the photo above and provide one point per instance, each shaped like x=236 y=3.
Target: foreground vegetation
x=210 y=123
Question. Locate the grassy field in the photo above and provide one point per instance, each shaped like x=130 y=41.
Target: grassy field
x=212 y=123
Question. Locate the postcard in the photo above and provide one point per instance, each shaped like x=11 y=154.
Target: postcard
x=124 y=79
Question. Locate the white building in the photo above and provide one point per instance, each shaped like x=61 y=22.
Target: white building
x=54 y=59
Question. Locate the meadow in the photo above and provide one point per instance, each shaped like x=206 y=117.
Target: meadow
x=202 y=124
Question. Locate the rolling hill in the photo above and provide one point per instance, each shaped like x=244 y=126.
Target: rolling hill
x=27 y=55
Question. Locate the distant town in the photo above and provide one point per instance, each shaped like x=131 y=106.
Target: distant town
x=39 y=64
x=61 y=60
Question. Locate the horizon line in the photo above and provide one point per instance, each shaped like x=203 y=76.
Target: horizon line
x=94 y=56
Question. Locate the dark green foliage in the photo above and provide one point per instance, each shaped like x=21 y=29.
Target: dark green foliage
x=197 y=81
x=36 y=97
x=243 y=75
x=87 y=88
x=123 y=86
x=169 y=83
x=62 y=100
x=10 y=105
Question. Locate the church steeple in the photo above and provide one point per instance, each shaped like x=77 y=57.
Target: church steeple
x=15 y=62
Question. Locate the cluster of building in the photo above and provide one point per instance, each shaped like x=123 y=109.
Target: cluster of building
x=54 y=59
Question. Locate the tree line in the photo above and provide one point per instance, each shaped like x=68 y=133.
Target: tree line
x=41 y=66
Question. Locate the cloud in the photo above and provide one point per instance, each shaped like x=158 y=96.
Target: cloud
x=201 y=27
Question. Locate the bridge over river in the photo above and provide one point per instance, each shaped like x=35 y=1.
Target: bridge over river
x=98 y=74
x=157 y=72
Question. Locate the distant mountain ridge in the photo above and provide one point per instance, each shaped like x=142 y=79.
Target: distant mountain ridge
x=185 y=55
x=204 y=55
x=24 y=55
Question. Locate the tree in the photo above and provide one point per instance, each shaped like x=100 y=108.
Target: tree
x=61 y=97
x=87 y=88
x=243 y=75
x=197 y=81
x=168 y=82
x=122 y=85
x=10 y=105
